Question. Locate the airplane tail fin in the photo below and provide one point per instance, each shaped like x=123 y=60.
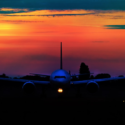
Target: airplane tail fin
x=61 y=56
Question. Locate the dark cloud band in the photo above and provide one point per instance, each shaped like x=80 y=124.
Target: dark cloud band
x=115 y=26
x=55 y=14
x=44 y=57
x=10 y=12
x=64 y=4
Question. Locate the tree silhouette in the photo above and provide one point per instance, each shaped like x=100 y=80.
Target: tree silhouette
x=84 y=70
x=91 y=77
x=4 y=76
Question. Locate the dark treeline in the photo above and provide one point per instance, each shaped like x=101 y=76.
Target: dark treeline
x=36 y=77
x=83 y=71
x=4 y=76
x=86 y=75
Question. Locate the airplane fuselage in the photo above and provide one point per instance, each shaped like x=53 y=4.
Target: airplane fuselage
x=60 y=78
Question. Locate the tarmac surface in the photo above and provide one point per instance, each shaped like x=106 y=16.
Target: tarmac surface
x=61 y=111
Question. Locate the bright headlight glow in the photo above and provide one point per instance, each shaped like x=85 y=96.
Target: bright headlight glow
x=60 y=90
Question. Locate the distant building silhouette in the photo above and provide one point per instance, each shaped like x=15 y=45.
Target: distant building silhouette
x=15 y=78
x=102 y=75
x=121 y=76
x=84 y=69
x=74 y=78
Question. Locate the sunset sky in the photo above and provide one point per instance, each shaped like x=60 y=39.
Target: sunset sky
x=91 y=31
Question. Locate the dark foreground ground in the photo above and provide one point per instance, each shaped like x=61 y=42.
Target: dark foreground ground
x=61 y=111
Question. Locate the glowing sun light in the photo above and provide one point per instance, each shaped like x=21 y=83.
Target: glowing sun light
x=6 y=27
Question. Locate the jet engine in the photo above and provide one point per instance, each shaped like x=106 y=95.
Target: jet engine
x=28 y=88
x=92 y=87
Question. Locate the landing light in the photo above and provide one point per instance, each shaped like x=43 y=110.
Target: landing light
x=60 y=90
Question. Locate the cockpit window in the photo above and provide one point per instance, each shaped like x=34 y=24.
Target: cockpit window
x=59 y=77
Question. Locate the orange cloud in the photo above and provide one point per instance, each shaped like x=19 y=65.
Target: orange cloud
x=12 y=9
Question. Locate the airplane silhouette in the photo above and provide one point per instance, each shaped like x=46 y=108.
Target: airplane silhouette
x=60 y=81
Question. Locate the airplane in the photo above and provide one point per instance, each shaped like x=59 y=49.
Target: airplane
x=60 y=81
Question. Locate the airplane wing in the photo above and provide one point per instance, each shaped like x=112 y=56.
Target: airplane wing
x=21 y=81
x=103 y=80
x=16 y=87
x=106 y=88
